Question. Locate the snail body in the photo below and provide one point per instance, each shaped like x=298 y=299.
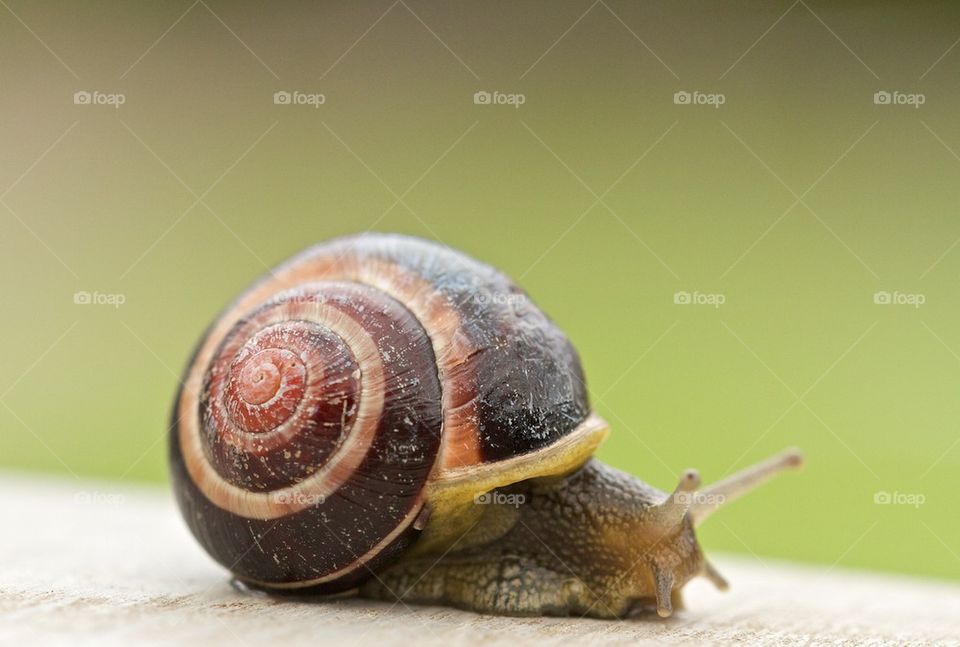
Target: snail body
x=358 y=417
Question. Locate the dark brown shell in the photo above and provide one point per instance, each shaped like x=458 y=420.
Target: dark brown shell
x=280 y=469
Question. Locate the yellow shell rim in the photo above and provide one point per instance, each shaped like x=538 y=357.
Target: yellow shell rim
x=451 y=494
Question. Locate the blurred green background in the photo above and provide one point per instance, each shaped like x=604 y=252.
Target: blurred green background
x=797 y=200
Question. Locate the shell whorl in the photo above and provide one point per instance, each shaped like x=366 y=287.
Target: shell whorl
x=292 y=400
x=318 y=423
x=319 y=404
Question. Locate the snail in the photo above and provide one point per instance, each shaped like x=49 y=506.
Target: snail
x=385 y=416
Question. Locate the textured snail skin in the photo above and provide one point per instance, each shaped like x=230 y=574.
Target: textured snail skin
x=318 y=405
x=577 y=545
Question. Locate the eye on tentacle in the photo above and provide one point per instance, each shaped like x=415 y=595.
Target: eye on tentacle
x=687 y=502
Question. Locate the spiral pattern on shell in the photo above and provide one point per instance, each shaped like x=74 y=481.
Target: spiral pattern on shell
x=319 y=405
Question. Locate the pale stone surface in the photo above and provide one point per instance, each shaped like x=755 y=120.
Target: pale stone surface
x=88 y=563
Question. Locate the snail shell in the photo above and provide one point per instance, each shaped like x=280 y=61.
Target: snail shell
x=320 y=405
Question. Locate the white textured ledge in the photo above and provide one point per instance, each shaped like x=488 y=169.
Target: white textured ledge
x=93 y=563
